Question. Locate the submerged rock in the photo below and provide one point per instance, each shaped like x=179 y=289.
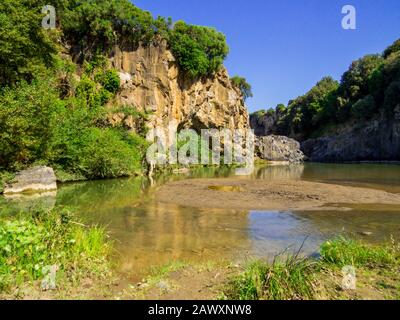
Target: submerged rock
x=279 y=148
x=36 y=179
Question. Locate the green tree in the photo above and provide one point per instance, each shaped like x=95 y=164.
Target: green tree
x=200 y=51
x=27 y=122
x=355 y=81
x=25 y=47
x=243 y=85
x=395 y=47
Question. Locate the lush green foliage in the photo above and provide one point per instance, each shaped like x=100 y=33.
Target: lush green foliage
x=53 y=111
x=25 y=48
x=243 y=86
x=71 y=133
x=26 y=120
x=200 y=51
x=99 y=24
x=370 y=87
x=39 y=239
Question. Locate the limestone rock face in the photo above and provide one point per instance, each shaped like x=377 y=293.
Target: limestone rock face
x=376 y=140
x=151 y=82
x=35 y=179
x=279 y=148
x=263 y=125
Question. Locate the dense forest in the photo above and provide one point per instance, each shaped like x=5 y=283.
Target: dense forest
x=369 y=88
x=54 y=111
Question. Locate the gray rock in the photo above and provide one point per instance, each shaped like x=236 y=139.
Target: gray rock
x=279 y=148
x=375 y=140
x=36 y=179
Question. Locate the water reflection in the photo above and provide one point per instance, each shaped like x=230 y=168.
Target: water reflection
x=148 y=233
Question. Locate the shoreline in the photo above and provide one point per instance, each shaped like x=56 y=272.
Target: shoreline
x=246 y=194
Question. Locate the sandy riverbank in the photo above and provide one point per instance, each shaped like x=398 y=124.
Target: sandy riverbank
x=246 y=194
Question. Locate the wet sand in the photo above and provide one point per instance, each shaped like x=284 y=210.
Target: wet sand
x=246 y=194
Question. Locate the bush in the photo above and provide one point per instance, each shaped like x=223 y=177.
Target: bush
x=26 y=121
x=243 y=86
x=110 y=80
x=199 y=51
x=105 y=154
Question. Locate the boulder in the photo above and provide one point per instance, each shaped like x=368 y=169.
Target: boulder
x=279 y=148
x=36 y=179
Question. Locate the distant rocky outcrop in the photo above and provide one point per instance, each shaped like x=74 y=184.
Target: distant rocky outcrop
x=279 y=148
x=263 y=124
x=152 y=82
x=36 y=179
x=375 y=140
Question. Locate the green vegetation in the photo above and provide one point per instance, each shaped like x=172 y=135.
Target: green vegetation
x=34 y=241
x=369 y=88
x=296 y=278
x=25 y=47
x=56 y=112
x=243 y=85
x=200 y=51
x=282 y=280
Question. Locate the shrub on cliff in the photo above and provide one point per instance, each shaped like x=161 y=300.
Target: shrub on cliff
x=98 y=24
x=244 y=87
x=200 y=51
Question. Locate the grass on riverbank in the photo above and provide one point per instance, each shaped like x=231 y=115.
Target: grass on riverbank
x=35 y=242
x=377 y=271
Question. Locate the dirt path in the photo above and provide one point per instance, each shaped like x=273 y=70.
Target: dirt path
x=246 y=194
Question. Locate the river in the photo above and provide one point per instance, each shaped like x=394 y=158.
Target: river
x=147 y=233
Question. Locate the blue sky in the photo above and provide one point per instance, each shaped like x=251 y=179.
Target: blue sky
x=284 y=47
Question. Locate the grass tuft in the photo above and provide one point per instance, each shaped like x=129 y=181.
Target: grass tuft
x=342 y=252
x=289 y=279
x=32 y=242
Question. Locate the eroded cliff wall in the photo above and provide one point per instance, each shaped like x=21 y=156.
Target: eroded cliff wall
x=375 y=140
x=153 y=83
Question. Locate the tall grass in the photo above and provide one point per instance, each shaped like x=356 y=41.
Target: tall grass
x=289 y=279
x=294 y=278
x=342 y=252
x=33 y=241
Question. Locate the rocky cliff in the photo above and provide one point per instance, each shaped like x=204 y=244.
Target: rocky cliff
x=153 y=83
x=263 y=124
x=376 y=140
x=279 y=148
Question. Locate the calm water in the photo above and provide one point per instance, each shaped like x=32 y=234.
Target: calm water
x=148 y=233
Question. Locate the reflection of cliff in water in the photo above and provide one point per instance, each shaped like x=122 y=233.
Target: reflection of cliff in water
x=148 y=233
x=279 y=172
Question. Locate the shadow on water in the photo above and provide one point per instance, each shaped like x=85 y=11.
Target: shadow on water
x=148 y=233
